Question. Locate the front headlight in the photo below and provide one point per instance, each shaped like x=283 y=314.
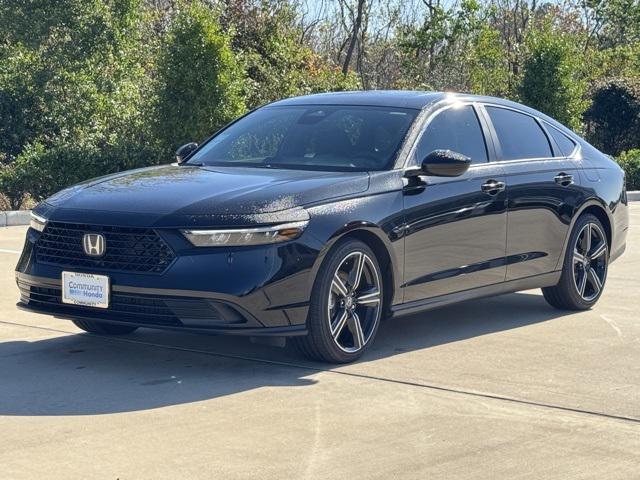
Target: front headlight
x=245 y=236
x=37 y=222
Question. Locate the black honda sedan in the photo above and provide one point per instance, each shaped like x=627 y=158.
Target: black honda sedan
x=315 y=217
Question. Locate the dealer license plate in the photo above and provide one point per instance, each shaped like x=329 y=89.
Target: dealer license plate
x=85 y=289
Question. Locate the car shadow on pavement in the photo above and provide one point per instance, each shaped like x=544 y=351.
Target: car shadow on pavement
x=88 y=375
x=462 y=321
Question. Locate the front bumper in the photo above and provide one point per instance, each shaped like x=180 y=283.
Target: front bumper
x=252 y=291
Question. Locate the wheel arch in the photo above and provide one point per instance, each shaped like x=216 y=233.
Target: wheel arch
x=600 y=213
x=597 y=208
x=374 y=237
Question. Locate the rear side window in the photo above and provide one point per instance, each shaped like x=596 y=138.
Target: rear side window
x=565 y=144
x=520 y=135
x=456 y=129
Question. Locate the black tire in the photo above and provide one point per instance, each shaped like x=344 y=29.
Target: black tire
x=566 y=294
x=100 y=328
x=328 y=309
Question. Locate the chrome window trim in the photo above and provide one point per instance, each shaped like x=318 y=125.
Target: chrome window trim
x=537 y=119
x=407 y=148
x=576 y=146
x=431 y=112
x=523 y=160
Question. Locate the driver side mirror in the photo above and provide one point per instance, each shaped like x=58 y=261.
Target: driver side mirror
x=184 y=151
x=443 y=163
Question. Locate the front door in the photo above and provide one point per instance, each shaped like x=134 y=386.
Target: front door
x=455 y=227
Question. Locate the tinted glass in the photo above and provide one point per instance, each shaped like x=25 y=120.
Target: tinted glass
x=311 y=137
x=565 y=144
x=456 y=129
x=519 y=134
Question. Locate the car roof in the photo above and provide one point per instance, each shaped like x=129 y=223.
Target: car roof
x=391 y=98
x=380 y=98
x=406 y=99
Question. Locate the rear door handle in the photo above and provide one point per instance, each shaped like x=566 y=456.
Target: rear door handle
x=493 y=187
x=564 y=179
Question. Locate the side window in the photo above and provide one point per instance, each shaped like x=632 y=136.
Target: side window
x=520 y=135
x=456 y=129
x=565 y=144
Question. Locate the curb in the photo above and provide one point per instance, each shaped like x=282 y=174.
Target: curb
x=14 y=218
x=633 y=196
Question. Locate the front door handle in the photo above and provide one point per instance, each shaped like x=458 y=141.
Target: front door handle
x=493 y=187
x=564 y=179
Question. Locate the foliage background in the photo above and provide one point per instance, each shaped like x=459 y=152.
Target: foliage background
x=89 y=87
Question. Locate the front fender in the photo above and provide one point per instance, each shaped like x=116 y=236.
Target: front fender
x=378 y=216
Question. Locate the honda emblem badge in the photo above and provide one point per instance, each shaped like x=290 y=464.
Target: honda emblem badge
x=94 y=244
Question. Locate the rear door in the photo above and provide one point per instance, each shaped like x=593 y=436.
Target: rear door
x=541 y=183
x=455 y=227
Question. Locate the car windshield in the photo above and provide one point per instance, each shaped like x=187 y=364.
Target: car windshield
x=333 y=138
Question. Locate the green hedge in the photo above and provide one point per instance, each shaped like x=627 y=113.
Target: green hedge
x=39 y=172
x=630 y=163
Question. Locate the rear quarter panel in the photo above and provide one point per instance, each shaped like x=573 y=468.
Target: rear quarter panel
x=603 y=182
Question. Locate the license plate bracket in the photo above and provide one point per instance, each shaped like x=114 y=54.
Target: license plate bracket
x=85 y=289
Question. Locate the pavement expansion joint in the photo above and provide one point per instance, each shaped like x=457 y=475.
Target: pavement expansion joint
x=347 y=374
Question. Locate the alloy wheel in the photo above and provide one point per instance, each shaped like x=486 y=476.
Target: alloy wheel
x=590 y=261
x=355 y=302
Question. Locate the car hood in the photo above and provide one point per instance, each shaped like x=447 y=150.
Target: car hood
x=174 y=193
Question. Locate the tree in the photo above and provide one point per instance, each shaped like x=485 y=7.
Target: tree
x=489 y=70
x=613 y=119
x=267 y=42
x=436 y=53
x=199 y=81
x=610 y=23
x=551 y=81
x=355 y=30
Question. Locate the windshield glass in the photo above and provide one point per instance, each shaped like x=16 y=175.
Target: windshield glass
x=333 y=138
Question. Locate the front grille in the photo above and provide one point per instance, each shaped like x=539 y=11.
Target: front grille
x=127 y=249
x=140 y=309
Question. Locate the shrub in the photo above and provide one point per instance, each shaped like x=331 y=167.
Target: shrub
x=488 y=74
x=550 y=82
x=70 y=69
x=199 y=81
x=39 y=171
x=13 y=189
x=613 y=120
x=630 y=163
x=73 y=91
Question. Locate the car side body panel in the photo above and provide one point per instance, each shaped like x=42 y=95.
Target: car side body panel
x=455 y=234
x=539 y=214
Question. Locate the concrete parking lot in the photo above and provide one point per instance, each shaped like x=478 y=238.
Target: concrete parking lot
x=505 y=387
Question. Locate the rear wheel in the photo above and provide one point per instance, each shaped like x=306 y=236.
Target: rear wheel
x=103 y=328
x=346 y=305
x=584 y=269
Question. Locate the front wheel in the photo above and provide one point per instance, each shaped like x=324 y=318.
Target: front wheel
x=346 y=305
x=584 y=270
